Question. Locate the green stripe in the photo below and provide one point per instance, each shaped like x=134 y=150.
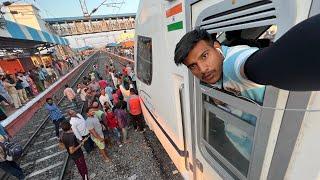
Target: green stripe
x=175 y=26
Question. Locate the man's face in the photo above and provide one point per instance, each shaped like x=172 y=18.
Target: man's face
x=205 y=62
x=95 y=105
x=91 y=112
x=50 y=102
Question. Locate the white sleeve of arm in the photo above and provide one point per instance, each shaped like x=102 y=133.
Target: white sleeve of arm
x=76 y=132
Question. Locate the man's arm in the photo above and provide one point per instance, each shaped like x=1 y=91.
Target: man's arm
x=73 y=149
x=95 y=134
x=292 y=62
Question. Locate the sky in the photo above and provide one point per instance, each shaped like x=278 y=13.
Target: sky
x=70 y=8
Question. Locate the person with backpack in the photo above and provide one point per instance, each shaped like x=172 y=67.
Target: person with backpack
x=134 y=108
x=8 y=152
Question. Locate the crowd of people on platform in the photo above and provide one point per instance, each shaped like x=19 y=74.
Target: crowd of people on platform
x=111 y=105
x=18 y=88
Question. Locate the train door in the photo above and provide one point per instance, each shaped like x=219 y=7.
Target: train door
x=234 y=136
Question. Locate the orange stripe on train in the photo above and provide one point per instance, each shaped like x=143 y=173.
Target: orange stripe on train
x=174 y=10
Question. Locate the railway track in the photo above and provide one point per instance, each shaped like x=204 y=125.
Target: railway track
x=42 y=158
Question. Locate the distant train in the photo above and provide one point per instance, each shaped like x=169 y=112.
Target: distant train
x=284 y=140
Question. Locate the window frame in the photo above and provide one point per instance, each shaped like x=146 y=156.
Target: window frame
x=145 y=61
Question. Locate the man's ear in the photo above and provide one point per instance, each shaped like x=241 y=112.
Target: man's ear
x=216 y=44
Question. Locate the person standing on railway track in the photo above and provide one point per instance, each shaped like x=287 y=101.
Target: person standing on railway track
x=94 y=85
x=95 y=128
x=109 y=91
x=122 y=118
x=135 y=111
x=70 y=142
x=78 y=126
x=70 y=94
x=104 y=98
x=112 y=124
x=55 y=114
x=102 y=83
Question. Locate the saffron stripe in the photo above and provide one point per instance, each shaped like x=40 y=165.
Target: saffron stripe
x=174 y=10
x=175 y=26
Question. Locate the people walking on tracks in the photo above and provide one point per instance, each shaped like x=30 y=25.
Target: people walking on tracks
x=70 y=94
x=122 y=118
x=98 y=113
x=109 y=91
x=104 y=98
x=73 y=147
x=102 y=83
x=55 y=114
x=115 y=97
x=95 y=129
x=118 y=91
x=135 y=111
x=94 y=85
x=79 y=128
x=81 y=90
x=112 y=124
x=6 y=163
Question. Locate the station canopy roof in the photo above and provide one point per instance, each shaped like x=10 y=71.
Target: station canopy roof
x=14 y=35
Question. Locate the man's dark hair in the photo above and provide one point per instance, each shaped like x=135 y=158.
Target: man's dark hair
x=65 y=125
x=188 y=41
x=66 y=85
x=132 y=90
x=48 y=99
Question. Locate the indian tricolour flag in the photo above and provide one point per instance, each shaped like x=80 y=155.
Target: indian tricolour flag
x=174 y=17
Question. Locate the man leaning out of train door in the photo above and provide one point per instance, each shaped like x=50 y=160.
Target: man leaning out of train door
x=244 y=71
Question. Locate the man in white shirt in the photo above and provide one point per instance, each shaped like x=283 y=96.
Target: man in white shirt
x=104 y=98
x=78 y=126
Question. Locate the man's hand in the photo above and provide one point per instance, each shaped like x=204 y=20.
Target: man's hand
x=85 y=139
